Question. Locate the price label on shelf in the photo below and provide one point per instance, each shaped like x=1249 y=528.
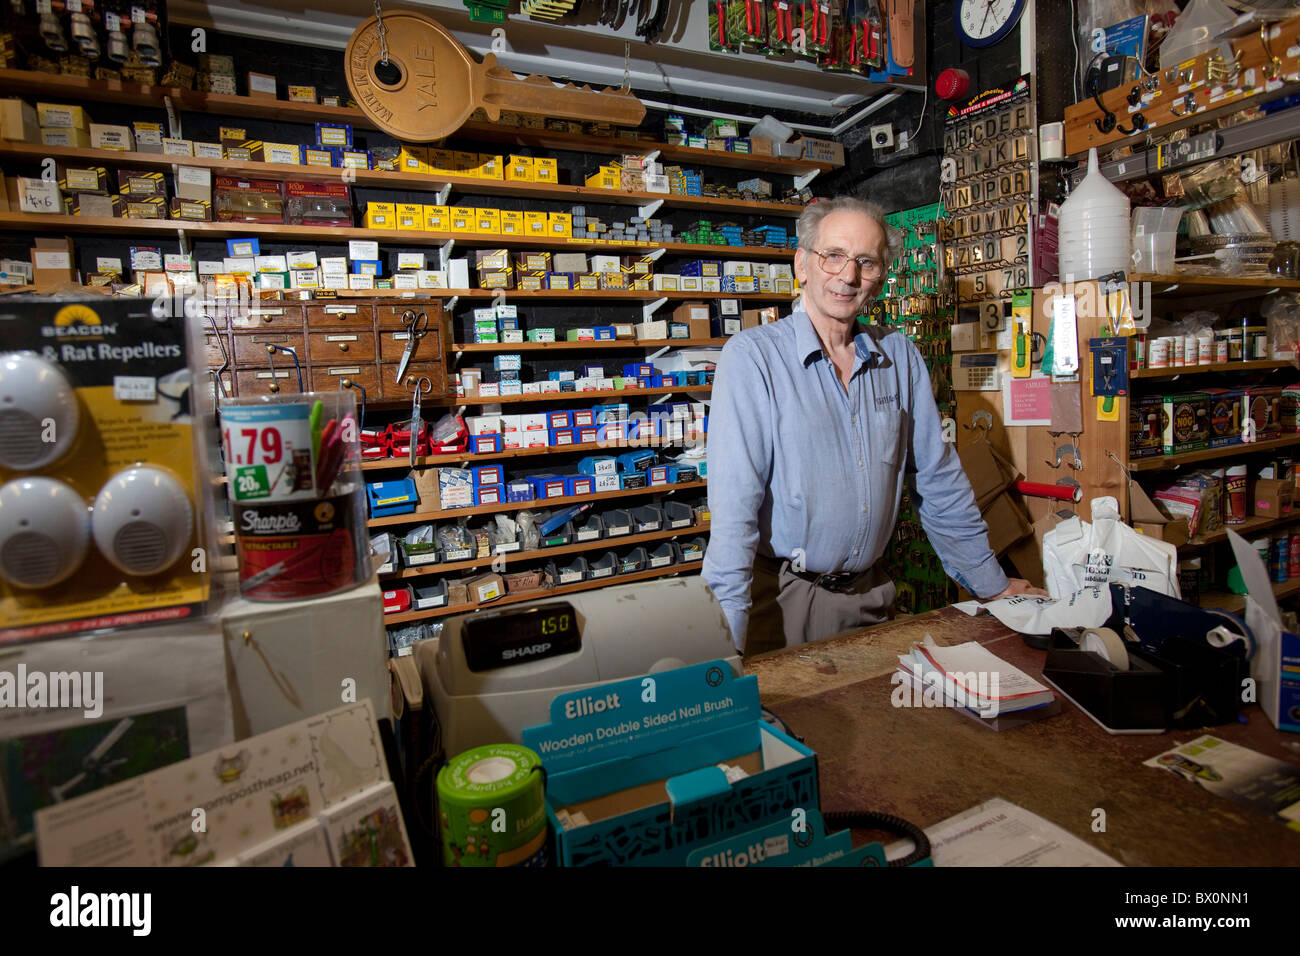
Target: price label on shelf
x=269 y=455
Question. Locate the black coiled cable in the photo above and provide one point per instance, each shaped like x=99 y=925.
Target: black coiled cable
x=870 y=820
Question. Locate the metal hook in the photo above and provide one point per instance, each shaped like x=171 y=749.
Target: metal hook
x=1128 y=475
x=272 y=349
x=348 y=383
x=1274 y=66
x=981 y=421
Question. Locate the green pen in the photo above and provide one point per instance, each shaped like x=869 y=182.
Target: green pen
x=317 y=412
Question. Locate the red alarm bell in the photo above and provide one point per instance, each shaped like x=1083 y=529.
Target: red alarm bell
x=952 y=84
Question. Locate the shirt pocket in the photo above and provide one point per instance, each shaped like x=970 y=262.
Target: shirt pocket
x=885 y=434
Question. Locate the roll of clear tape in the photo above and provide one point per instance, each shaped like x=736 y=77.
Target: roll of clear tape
x=1107 y=644
x=1222 y=637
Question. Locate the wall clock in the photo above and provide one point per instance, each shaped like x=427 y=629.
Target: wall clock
x=981 y=23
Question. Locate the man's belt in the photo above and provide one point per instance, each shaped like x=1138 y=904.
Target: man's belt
x=841 y=581
x=831 y=582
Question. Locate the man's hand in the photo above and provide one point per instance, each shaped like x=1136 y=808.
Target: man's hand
x=1018 y=586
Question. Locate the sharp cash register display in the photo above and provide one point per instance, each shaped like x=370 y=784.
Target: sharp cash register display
x=521 y=636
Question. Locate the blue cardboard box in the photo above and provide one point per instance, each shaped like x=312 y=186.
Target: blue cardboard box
x=634 y=461
x=559 y=419
x=519 y=489
x=638 y=370
x=490 y=494
x=560 y=436
x=485 y=444
x=488 y=475
x=604 y=333
x=547 y=486
x=639 y=758
x=598 y=465
x=579 y=485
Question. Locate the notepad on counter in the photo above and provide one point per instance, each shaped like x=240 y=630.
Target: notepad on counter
x=967 y=676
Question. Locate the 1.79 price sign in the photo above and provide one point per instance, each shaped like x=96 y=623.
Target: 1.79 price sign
x=268 y=451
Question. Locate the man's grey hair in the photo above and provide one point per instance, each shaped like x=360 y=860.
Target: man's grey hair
x=810 y=223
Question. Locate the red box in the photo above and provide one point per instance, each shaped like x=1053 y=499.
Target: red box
x=398 y=600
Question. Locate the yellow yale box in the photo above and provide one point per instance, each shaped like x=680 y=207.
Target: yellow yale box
x=465 y=164
x=491 y=167
x=381 y=215
x=441 y=162
x=545 y=170
x=464 y=219
x=410 y=217
x=414 y=159
x=437 y=219
x=606 y=177
x=512 y=223
x=559 y=225
x=488 y=222
x=519 y=169
x=535 y=224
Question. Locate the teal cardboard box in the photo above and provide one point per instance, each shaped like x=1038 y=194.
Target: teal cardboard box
x=638 y=759
x=798 y=840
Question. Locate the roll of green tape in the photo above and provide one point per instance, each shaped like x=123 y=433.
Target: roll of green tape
x=493 y=808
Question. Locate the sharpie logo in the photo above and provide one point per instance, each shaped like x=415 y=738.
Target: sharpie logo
x=264 y=524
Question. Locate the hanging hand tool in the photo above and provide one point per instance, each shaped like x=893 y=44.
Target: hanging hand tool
x=417 y=327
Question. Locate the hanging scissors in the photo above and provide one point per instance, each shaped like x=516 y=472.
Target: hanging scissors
x=417 y=326
x=422 y=387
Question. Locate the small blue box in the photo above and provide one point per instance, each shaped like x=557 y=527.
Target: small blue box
x=485 y=475
x=661 y=381
x=592 y=371
x=241 y=248
x=598 y=465
x=656 y=475
x=579 y=484
x=634 y=461
x=638 y=369
x=559 y=419
x=547 y=486
x=604 y=333
x=559 y=436
x=359 y=266
x=485 y=444
x=333 y=134
x=392 y=497
x=519 y=489
x=565 y=375
x=490 y=494
x=504 y=323
x=569 y=386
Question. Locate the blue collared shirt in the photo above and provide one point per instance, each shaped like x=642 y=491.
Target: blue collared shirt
x=798 y=464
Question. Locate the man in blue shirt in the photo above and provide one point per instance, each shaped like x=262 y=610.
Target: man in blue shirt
x=813 y=422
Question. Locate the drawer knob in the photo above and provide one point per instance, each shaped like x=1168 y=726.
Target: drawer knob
x=274 y=388
x=270 y=350
x=266 y=318
x=345 y=382
x=343 y=346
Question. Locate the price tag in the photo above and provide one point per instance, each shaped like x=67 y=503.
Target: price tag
x=74 y=6
x=43 y=6
x=139 y=15
x=268 y=451
x=112 y=21
x=135 y=388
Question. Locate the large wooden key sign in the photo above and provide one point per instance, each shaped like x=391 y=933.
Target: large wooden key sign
x=431 y=84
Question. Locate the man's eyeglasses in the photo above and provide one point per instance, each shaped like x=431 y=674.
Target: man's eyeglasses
x=833 y=263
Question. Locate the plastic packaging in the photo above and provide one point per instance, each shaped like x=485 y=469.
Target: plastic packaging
x=1194 y=32
x=1093 y=228
x=1155 y=233
x=297 y=494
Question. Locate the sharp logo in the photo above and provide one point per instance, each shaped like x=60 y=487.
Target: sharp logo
x=510 y=653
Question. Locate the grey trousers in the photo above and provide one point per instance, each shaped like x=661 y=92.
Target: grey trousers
x=786 y=610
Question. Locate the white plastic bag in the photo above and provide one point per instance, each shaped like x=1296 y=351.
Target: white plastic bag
x=1077 y=555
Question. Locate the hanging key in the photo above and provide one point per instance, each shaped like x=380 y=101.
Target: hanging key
x=431 y=84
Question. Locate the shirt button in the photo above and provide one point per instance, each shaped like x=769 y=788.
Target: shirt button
x=864 y=509
x=855 y=552
x=860 y=462
x=853 y=420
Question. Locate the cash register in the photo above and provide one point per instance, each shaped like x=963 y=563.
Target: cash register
x=490 y=674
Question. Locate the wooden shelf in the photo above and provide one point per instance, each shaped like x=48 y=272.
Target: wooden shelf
x=1245 y=528
x=541 y=553
x=1210 y=454
x=567 y=346
x=542 y=594
x=571 y=396
x=340 y=234
x=409 y=182
x=1196 y=285
x=603 y=295
x=50 y=86
x=416 y=517
x=427 y=461
x=1226 y=601
x=1253 y=366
